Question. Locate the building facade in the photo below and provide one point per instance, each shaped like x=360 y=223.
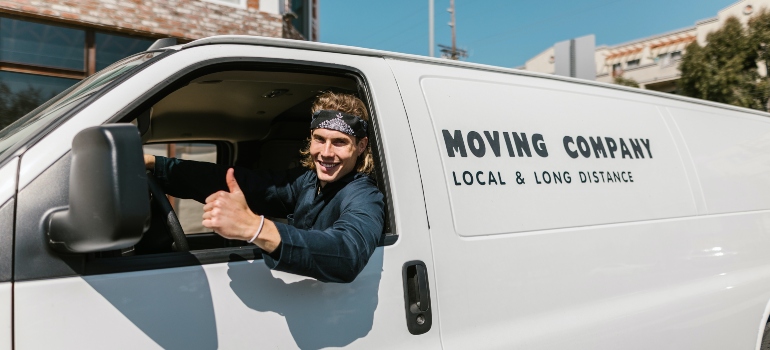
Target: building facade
x=48 y=45
x=653 y=62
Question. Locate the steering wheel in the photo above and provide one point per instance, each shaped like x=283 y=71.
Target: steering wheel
x=171 y=220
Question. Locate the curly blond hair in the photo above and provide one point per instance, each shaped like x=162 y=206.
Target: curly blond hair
x=345 y=103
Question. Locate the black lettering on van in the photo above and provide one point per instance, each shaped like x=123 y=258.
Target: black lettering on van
x=494 y=141
x=454 y=143
x=521 y=144
x=611 y=146
x=598 y=146
x=468 y=179
x=546 y=177
x=491 y=178
x=624 y=150
x=508 y=145
x=582 y=143
x=557 y=177
x=637 y=148
x=454 y=176
x=479 y=179
x=539 y=143
x=646 y=143
x=567 y=140
x=479 y=150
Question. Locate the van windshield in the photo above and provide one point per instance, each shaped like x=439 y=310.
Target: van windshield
x=36 y=120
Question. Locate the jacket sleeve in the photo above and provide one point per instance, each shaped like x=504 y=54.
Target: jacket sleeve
x=339 y=253
x=266 y=192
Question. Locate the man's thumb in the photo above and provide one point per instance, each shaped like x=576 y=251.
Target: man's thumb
x=231 y=183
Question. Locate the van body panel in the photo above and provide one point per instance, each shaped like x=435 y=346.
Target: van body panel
x=584 y=137
x=6 y=240
x=689 y=166
x=667 y=279
x=8 y=174
x=222 y=305
x=6 y=314
x=730 y=153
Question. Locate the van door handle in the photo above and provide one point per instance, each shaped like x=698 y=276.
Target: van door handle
x=417 y=297
x=422 y=286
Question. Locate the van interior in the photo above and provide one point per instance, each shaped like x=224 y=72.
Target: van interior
x=255 y=116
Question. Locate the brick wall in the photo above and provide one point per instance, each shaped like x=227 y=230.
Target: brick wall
x=186 y=19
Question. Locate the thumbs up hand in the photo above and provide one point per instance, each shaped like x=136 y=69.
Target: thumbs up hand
x=227 y=213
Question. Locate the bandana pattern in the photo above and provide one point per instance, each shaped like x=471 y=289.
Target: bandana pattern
x=337 y=124
x=335 y=120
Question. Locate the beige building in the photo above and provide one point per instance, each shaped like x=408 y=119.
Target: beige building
x=653 y=62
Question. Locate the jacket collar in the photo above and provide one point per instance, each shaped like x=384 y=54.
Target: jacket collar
x=335 y=186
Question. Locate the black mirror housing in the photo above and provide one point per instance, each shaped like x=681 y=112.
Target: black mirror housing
x=109 y=203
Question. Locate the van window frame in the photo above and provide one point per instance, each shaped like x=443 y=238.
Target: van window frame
x=106 y=265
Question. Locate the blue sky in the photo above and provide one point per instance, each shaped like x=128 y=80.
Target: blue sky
x=504 y=32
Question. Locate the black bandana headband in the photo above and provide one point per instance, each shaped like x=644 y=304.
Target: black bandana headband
x=339 y=121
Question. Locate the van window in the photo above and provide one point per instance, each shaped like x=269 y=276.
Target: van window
x=238 y=116
x=188 y=211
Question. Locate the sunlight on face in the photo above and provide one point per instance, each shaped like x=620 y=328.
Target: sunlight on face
x=334 y=153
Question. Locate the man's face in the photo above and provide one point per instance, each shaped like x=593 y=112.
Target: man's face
x=334 y=153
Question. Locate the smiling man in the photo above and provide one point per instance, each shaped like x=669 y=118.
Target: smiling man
x=334 y=210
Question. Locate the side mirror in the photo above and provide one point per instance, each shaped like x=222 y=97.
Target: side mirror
x=109 y=204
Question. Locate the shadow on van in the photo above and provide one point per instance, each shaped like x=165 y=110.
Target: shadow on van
x=174 y=309
x=318 y=314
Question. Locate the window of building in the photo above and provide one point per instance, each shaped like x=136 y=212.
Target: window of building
x=632 y=63
x=21 y=93
x=111 y=48
x=617 y=68
x=38 y=60
x=668 y=58
x=234 y=3
x=42 y=44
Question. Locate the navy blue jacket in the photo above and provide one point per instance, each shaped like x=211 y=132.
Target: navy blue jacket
x=332 y=232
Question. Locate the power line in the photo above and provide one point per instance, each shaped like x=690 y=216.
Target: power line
x=453 y=52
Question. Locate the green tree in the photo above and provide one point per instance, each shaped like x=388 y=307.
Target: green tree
x=759 y=37
x=620 y=80
x=725 y=70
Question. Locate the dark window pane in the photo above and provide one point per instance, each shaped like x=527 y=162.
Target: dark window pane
x=301 y=10
x=29 y=124
x=111 y=48
x=42 y=44
x=21 y=93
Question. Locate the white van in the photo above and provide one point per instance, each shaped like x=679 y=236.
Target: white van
x=524 y=211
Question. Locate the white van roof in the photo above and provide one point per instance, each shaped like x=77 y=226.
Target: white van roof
x=352 y=50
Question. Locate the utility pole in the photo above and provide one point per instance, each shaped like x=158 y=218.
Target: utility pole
x=431 y=37
x=452 y=53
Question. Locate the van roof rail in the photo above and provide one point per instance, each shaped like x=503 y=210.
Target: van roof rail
x=161 y=43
